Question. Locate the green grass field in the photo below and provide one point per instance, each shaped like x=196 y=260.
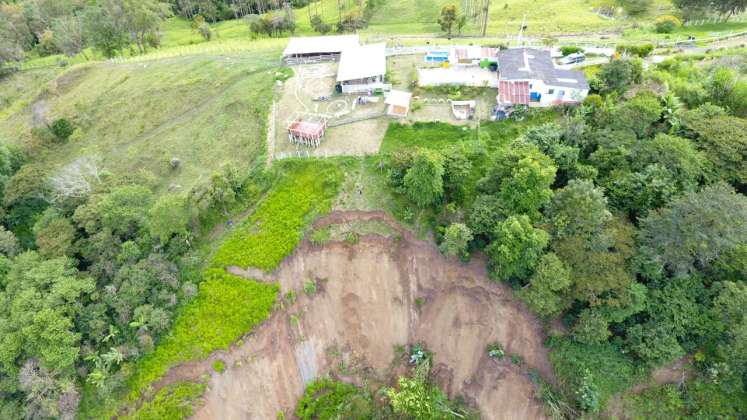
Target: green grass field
x=134 y=117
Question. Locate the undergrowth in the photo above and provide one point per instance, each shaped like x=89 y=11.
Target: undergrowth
x=173 y=402
x=273 y=231
x=225 y=308
x=607 y=371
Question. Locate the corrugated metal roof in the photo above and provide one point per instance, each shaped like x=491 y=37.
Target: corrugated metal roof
x=530 y=63
x=361 y=62
x=514 y=92
x=330 y=44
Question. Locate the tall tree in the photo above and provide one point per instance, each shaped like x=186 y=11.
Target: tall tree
x=517 y=248
x=579 y=209
x=694 y=230
x=424 y=182
x=449 y=16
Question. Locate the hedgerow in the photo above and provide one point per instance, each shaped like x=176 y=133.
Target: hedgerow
x=277 y=226
x=225 y=308
x=173 y=402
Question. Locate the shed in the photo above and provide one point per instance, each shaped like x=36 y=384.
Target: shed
x=399 y=103
x=362 y=68
x=318 y=48
x=307 y=129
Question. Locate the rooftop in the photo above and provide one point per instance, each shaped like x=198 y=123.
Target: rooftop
x=530 y=63
x=321 y=44
x=398 y=98
x=362 y=61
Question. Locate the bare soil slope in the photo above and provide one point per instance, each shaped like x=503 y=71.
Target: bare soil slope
x=372 y=296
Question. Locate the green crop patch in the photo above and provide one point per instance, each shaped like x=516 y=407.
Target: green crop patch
x=273 y=231
x=225 y=308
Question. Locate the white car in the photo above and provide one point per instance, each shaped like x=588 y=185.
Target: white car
x=574 y=58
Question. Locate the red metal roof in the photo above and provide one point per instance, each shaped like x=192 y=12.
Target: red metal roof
x=305 y=128
x=514 y=92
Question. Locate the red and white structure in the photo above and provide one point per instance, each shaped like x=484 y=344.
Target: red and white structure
x=307 y=129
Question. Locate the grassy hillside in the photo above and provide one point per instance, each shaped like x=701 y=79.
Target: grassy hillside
x=135 y=117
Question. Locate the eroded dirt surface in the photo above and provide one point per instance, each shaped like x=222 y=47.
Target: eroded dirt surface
x=373 y=296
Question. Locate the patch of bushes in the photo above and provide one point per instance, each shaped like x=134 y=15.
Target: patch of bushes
x=657 y=402
x=639 y=50
x=62 y=129
x=309 y=288
x=592 y=372
x=225 y=308
x=666 y=24
x=329 y=399
x=570 y=49
x=172 y=402
x=219 y=366
x=495 y=351
x=276 y=227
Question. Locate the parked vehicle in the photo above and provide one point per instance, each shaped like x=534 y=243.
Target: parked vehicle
x=574 y=58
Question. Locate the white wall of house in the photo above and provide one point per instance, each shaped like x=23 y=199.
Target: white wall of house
x=551 y=94
x=365 y=85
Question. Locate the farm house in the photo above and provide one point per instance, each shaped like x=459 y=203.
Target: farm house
x=307 y=129
x=316 y=49
x=528 y=76
x=362 y=69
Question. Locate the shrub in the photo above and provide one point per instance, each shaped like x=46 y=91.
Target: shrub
x=666 y=24
x=610 y=371
x=570 y=49
x=517 y=360
x=219 y=366
x=309 y=288
x=495 y=351
x=172 y=402
x=640 y=50
x=62 y=129
x=330 y=399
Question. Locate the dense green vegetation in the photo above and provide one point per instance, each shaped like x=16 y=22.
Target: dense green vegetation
x=624 y=216
x=414 y=397
x=277 y=226
x=172 y=402
x=225 y=308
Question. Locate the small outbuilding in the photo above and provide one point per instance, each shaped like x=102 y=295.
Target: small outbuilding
x=398 y=102
x=307 y=129
x=362 y=69
x=314 y=49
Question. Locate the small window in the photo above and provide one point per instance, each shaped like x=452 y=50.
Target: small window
x=551 y=91
x=530 y=86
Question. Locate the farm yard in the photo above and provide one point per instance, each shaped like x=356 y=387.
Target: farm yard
x=373 y=209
